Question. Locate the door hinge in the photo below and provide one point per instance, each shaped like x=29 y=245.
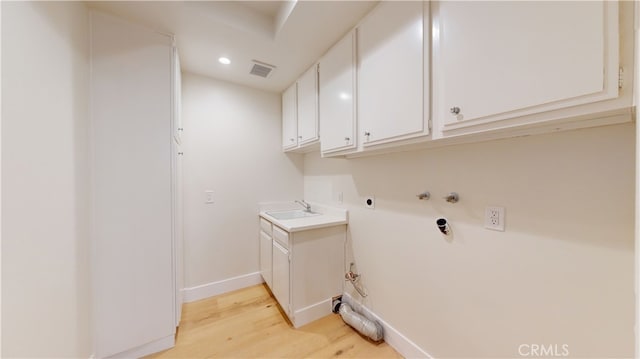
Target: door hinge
x=620 y=77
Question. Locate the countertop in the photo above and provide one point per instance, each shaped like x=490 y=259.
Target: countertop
x=329 y=216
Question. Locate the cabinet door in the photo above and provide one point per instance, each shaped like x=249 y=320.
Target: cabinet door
x=133 y=274
x=391 y=73
x=524 y=57
x=266 y=249
x=337 y=96
x=289 y=118
x=178 y=214
x=308 y=106
x=280 y=287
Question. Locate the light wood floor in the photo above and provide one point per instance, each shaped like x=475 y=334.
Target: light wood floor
x=248 y=324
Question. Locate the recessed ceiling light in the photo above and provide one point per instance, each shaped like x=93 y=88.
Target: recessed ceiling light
x=224 y=60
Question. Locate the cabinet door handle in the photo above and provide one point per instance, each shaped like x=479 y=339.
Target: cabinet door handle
x=300 y=137
x=292 y=139
x=367 y=133
x=180 y=153
x=455 y=110
x=347 y=139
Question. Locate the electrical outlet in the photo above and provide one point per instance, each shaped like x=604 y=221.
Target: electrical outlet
x=370 y=202
x=208 y=197
x=494 y=218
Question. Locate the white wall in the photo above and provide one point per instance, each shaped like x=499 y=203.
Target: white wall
x=230 y=147
x=561 y=273
x=45 y=269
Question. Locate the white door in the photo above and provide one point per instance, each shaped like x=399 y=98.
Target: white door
x=337 y=96
x=391 y=73
x=133 y=258
x=503 y=59
x=289 y=118
x=178 y=216
x=308 y=106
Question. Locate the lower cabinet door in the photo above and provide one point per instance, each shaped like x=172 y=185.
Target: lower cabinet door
x=280 y=287
x=266 y=266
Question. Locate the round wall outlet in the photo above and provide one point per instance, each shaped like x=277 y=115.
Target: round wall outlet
x=370 y=202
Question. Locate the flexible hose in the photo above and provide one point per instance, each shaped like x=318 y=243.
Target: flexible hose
x=363 y=325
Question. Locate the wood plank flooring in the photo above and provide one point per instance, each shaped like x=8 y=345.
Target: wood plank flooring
x=248 y=324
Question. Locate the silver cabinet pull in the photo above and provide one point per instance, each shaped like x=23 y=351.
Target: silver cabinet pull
x=180 y=153
x=347 y=139
x=455 y=110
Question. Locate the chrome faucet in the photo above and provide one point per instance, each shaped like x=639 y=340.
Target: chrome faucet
x=307 y=206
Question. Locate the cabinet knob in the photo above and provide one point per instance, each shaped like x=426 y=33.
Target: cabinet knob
x=367 y=133
x=347 y=139
x=300 y=137
x=292 y=139
x=455 y=110
x=180 y=129
x=180 y=153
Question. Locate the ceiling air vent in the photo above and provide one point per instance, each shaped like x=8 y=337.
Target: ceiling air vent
x=261 y=69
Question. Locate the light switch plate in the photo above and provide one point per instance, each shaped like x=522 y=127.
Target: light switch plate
x=208 y=197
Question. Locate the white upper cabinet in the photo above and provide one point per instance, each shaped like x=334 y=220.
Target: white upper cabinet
x=289 y=118
x=337 y=96
x=496 y=61
x=300 y=129
x=308 y=106
x=391 y=77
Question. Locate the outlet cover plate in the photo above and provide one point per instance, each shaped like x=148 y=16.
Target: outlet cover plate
x=370 y=202
x=494 y=218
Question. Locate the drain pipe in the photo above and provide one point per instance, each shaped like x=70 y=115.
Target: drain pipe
x=364 y=326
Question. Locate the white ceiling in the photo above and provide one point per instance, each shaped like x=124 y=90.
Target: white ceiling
x=287 y=34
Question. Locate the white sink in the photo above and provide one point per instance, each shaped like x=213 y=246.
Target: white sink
x=293 y=214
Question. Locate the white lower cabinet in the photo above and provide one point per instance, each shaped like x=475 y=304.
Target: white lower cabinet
x=266 y=266
x=307 y=270
x=280 y=285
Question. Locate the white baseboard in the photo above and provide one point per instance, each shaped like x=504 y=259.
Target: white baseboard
x=147 y=349
x=220 y=287
x=313 y=312
x=394 y=338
